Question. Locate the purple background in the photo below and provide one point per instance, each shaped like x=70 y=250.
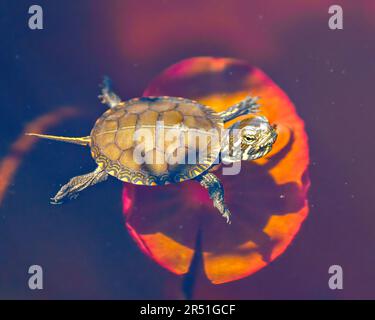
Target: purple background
x=83 y=247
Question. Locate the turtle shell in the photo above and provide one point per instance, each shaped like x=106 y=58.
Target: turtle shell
x=156 y=140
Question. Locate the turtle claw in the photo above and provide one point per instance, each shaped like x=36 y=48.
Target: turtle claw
x=63 y=193
x=102 y=99
x=107 y=96
x=226 y=215
x=73 y=196
x=248 y=105
x=55 y=201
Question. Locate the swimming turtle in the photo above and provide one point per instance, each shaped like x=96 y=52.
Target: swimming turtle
x=118 y=148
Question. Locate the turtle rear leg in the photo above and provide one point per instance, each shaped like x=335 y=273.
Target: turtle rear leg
x=216 y=192
x=108 y=97
x=246 y=106
x=77 y=184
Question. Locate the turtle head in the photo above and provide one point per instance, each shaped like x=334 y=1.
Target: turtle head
x=257 y=137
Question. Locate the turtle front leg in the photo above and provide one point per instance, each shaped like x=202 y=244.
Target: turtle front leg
x=216 y=192
x=108 y=97
x=246 y=106
x=77 y=184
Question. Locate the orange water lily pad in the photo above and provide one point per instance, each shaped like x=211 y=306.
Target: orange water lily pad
x=268 y=198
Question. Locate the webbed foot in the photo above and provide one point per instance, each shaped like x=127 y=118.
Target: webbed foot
x=108 y=97
x=246 y=106
x=216 y=193
x=75 y=185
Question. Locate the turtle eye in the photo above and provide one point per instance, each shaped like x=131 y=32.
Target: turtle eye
x=249 y=138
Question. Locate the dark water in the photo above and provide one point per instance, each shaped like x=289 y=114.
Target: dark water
x=82 y=245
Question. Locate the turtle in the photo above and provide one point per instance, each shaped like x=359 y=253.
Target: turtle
x=156 y=160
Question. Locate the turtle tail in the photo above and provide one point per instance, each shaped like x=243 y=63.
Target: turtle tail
x=83 y=141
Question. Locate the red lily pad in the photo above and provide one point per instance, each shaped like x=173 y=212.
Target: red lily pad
x=268 y=198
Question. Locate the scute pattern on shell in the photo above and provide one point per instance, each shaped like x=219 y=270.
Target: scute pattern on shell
x=112 y=143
